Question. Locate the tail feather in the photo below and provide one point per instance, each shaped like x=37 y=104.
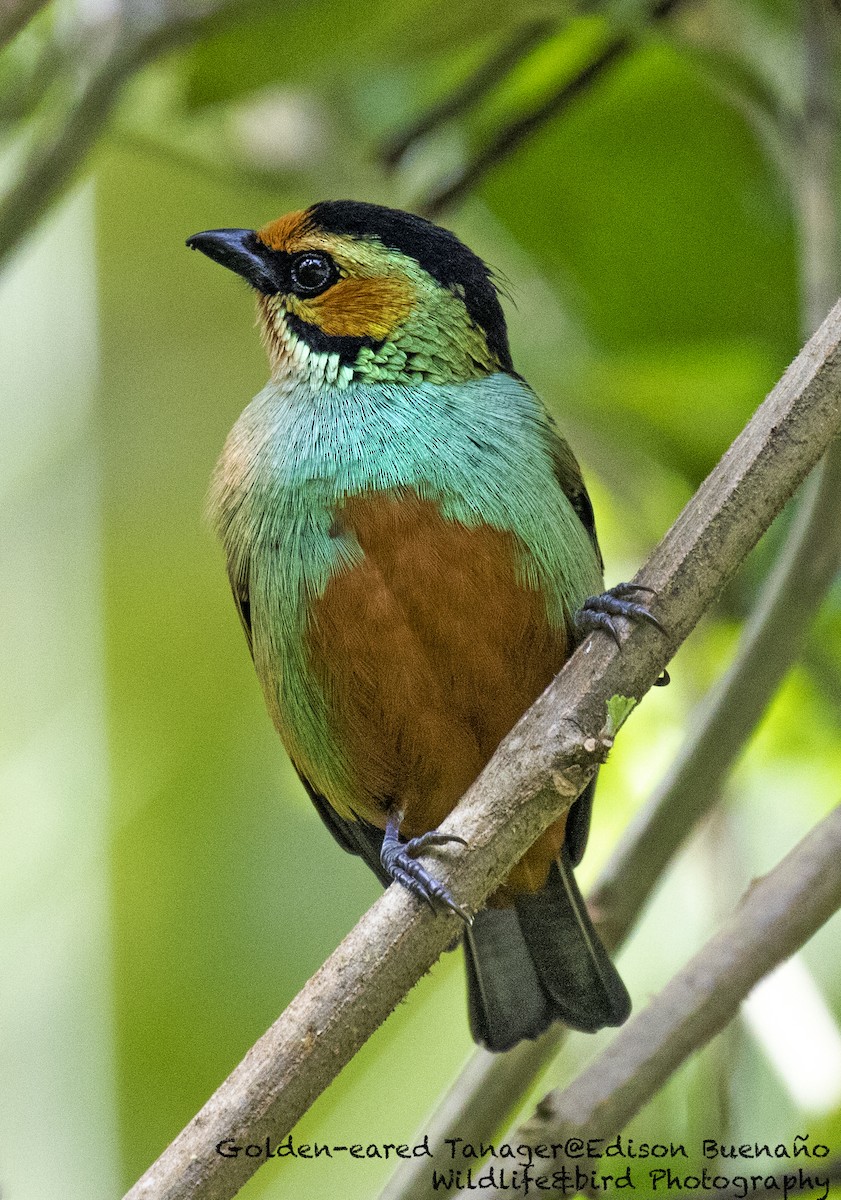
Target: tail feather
x=574 y=969
x=505 y=1000
x=538 y=962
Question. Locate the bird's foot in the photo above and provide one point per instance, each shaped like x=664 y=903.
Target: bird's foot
x=400 y=860
x=600 y=612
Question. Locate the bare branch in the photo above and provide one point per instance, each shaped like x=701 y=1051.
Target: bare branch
x=775 y=917
x=513 y=135
x=491 y=1087
x=770 y=644
x=534 y=776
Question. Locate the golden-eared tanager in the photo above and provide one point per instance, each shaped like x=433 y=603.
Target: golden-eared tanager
x=412 y=551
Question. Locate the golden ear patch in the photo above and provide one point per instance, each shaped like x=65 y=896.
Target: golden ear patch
x=359 y=307
x=286 y=231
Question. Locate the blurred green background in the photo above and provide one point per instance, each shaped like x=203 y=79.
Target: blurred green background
x=166 y=888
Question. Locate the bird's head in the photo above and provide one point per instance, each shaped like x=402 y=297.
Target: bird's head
x=350 y=291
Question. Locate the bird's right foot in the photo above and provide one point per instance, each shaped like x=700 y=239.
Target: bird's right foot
x=600 y=612
x=400 y=861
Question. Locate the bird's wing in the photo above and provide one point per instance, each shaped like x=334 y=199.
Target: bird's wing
x=571 y=481
x=242 y=599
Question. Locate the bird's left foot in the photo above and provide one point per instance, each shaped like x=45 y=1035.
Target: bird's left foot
x=600 y=612
x=400 y=861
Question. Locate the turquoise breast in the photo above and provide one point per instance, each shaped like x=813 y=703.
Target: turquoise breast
x=480 y=449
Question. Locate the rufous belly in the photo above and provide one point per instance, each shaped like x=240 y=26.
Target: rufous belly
x=429 y=650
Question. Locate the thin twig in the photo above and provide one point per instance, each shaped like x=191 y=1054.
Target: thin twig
x=775 y=917
x=518 y=131
x=483 y=80
x=534 y=776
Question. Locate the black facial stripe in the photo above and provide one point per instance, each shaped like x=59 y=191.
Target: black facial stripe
x=277 y=268
x=275 y=275
x=441 y=254
x=347 y=348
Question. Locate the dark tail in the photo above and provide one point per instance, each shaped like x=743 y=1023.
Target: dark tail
x=539 y=962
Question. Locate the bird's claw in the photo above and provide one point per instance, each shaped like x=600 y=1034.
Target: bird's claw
x=599 y=612
x=400 y=861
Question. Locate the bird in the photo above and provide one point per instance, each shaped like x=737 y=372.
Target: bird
x=413 y=555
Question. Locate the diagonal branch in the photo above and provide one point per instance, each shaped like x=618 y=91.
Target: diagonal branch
x=534 y=776
x=771 y=643
x=518 y=131
x=775 y=917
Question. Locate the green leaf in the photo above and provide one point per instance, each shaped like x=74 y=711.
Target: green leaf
x=619 y=708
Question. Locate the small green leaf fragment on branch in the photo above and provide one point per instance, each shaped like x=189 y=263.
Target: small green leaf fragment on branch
x=619 y=708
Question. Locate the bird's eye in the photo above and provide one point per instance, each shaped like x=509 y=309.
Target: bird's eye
x=312 y=273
